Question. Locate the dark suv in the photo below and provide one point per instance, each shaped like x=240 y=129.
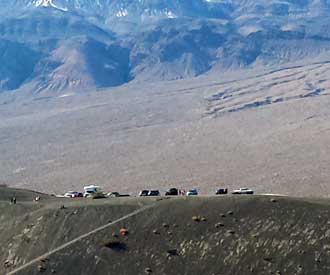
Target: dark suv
x=222 y=191
x=172 y=192
x=144 y=193
x=153 y=193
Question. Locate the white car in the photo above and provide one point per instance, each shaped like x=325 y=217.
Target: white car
x=69 y=194
x=73 y=194
x=243 y=191
x=192 y=192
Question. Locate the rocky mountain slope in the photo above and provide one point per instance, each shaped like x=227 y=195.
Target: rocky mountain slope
x=82 y=44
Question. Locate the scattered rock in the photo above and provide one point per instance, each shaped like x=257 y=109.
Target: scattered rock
x=41 y=268
x=156 y=232
x=170 y=233
x=165 y=225
x=172 y=252
x=222 y=215
x=148 y=270
x=273 y=200
x=7 y=263
x=123 y=231
x=267 y=259
x=219 y=224
x=203 y=219
x=230 y=213
x=232 y=232
x=53 y=271
x=196 y=218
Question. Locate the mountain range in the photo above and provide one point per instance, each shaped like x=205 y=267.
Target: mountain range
x=54 y=46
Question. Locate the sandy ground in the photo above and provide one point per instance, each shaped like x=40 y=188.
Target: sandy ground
x=265 y=130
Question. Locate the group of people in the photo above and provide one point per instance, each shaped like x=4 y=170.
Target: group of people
x=13 y=200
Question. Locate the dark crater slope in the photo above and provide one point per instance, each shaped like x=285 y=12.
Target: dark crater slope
x=209 y=235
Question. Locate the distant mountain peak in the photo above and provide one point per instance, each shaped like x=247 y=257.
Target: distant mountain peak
x=48 y=3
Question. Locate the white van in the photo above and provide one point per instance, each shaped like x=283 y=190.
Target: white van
x=91 y=190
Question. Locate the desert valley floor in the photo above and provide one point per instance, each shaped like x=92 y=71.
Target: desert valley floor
x=266 y=130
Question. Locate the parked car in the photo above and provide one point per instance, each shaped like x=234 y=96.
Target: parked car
x=98 y=195
x=153 y=193
x=221 y=191
x=243 y=191
x=144 y=193
x=172 y=192
x=92 y=190
x=116 y=194
x=192 y=192
x=73 y=194
x=77 y=195
x=113 y=194
x=69 y=194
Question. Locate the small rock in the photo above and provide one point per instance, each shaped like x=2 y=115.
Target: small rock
x=148 y=270
x=41 y=268
x=172 y=252
x=273 y=200
x=203 y=219
x=170 y=233
x=232 y=232
x=123 y=231
x=44 y=260
x=53 y=271
x=7 y=263
x=230 y=213
x=196 y=218
x=222 y=215
x=165 y=225
x=267 y=259
x=155 y=231
x=219 y=224
x=62 y=207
